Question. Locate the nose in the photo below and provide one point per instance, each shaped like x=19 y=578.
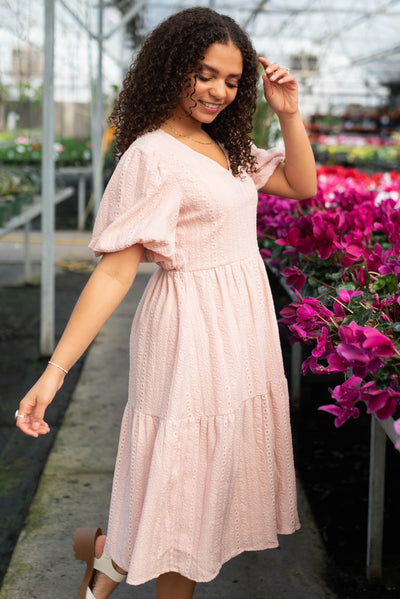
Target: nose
x=218 y=89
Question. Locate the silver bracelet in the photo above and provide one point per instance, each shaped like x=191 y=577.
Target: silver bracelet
x=57 y=366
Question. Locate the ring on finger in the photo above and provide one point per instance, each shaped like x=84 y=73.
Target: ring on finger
x=18 y=415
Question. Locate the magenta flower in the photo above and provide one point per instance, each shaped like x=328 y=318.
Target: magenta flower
x=344 y=297
x=358 y=359
x=377 y=342
x=352 y=253
x=342 y=413
x=265 y=254
x=391 y=266
x=362 y=277
x=376 y=258
x=294 y=277
x=336 y=363
x=382 y=402
x=362 y=348
x=300 y=236
x=324 y=237
x=346 y=395
x=347 y=391
x=305 y=317
x=320 y=350
x=312 y=363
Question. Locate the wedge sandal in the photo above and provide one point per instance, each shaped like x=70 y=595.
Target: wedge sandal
x=84 y=543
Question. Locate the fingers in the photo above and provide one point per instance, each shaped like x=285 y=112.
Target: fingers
x=29 y=417
x=33 y=406
x=275 y=73
x=31 y=426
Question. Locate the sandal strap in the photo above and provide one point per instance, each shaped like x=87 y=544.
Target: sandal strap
x=104 y=564
x=89 y=594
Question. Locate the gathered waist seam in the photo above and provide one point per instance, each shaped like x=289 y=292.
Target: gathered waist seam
x=251 y=258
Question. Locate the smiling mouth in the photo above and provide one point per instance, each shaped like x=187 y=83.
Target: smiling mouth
x=210 y=105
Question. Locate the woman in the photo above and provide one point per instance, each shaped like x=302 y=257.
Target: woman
x=204 y=469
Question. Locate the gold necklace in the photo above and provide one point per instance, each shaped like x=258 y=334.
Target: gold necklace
x=204 y=143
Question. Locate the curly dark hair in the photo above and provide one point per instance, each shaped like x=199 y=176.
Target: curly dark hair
x=161 y=70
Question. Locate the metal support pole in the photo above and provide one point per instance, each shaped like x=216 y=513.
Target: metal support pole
x=81 y=201
x=376 y=501
x=97 y=127
x=48 y=188
x=27 y=252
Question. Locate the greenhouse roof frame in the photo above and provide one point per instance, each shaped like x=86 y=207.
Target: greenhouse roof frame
x=329 y=28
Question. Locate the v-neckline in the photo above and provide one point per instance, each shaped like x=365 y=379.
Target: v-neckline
x=181 y=143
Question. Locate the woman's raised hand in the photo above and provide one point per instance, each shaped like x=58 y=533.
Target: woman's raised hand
x=280 y=88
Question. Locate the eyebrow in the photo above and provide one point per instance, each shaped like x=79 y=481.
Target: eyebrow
x=207 y=66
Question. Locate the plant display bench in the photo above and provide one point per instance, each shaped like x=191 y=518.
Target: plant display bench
x=82 y=173
x=24 y=219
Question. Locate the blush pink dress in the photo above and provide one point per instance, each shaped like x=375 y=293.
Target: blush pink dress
x=205 y=467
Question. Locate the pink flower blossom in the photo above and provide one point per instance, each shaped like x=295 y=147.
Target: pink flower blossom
x=342 y=413
x=382 y=402
x=266 y=254
x=344 y=296
x=353 y=253
x=294 y=277
x=346 y=395
x=324 y=236
x=305 y=317
x=363 y=348
x=320 y=350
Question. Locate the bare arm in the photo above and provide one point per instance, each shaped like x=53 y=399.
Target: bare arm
x=297 y=177
x=104 y=291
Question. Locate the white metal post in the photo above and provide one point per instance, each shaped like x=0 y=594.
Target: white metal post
x=48 y=188
x=81 y=201
x=97 y=128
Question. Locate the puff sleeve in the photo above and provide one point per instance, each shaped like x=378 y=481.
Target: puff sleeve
x=267 y=161
x=140 y=205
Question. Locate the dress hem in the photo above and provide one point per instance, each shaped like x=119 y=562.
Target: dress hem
x=136 y=581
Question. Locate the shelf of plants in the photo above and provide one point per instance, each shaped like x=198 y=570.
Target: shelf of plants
x=360 y=137
x=339 y=252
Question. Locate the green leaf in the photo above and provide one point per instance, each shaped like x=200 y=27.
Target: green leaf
x=362 y=315
x=386 y=281
x=334 y=276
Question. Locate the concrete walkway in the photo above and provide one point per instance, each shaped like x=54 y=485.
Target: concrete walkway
x=75 y=487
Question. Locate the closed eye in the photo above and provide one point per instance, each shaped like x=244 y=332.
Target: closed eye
x=228 y=84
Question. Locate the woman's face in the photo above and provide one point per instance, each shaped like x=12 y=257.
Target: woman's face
x=215 y=86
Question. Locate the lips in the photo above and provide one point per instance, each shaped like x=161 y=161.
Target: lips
x=210 y=107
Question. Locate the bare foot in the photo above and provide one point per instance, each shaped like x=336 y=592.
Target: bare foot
x=102 y=586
